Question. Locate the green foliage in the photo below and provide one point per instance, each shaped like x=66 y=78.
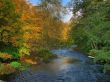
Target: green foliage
x=9 y=49
x=92 y=30
x=19 y=66
x=16 y=65
x=44 y=54
x=106 y=68
x=102 y=56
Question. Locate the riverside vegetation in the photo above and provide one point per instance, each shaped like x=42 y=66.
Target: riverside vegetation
x=27 y=30
x=91 y=29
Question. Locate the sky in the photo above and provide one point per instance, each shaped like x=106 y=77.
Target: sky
x=66 y=17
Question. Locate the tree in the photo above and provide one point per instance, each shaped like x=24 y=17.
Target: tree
x=49 y=13
x=91 y=30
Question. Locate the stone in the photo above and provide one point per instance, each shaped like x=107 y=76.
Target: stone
x=2 y=81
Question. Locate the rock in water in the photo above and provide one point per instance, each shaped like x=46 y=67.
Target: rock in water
x=2 y=81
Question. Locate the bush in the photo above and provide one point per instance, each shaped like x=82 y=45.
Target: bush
x=9 y=49
x=44 y=54
x=106 y=68
x=102 y=56
x=16 y=65
x=24 y=51
x=5 y=56
x=6 y=69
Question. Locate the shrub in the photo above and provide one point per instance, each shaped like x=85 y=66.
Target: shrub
x=5 y=56
x=16 y=65
x=102 y=56
x=6 y=69
x=44 y=54
x=24 y=51
x=106 y=68
x=9 y=49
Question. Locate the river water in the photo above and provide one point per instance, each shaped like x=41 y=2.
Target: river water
x=70 y=66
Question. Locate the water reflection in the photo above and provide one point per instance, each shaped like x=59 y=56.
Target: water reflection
x=70 y=66
x=61 y=63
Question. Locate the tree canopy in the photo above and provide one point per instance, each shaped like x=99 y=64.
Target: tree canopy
x=91 y=30
x=26 y=29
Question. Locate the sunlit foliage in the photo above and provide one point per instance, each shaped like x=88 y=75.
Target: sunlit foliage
x=25 y=29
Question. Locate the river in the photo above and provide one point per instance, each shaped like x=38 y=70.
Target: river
x=70 y=66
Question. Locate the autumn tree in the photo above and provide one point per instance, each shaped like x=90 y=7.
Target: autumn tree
x=50 y=14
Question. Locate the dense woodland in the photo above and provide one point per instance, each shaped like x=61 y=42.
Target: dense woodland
x=27 y=30
x=91 y=29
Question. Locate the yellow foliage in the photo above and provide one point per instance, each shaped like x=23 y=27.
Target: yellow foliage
x=65 y=32
x=5 y=56
x=28 y=60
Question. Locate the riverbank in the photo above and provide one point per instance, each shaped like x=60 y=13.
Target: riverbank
x=12 y=66
x=70 y=66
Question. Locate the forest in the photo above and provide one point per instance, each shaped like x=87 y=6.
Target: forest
x=91 y=30
x=29 y=32
x=26 y=29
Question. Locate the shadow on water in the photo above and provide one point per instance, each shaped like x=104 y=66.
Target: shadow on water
x=70 y=66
